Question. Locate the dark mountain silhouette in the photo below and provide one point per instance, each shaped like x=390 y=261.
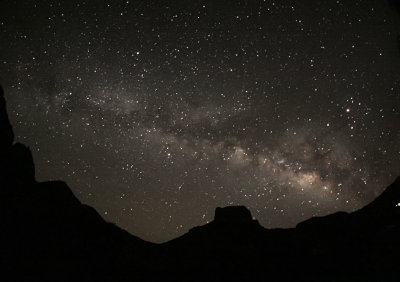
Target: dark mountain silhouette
x=48 y=235
x=360 y=246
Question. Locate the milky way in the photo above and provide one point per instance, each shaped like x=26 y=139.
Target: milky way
x=155 y=113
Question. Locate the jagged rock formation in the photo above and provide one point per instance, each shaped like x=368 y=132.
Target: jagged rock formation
x=48 y=235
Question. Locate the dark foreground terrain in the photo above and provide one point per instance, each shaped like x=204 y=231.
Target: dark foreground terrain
x=48 y=235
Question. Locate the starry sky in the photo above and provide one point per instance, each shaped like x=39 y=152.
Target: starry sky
x=157 y=112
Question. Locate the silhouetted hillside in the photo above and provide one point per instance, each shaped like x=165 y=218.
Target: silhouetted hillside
x=48 y=235
x=361 y=246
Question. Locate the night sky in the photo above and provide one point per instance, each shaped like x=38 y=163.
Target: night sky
x=157 y=112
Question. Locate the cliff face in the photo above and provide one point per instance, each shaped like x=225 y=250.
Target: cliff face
x=7 y=135
x=48 y=235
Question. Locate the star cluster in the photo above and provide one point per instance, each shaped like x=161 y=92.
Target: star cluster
x=156 y=112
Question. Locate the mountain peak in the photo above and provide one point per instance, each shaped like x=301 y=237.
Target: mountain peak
x=233 y=214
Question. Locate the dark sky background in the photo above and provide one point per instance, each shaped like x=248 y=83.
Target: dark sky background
x=157 y=112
